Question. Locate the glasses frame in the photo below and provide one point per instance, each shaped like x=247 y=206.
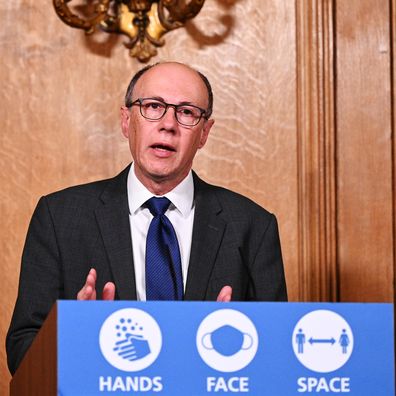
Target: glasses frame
x=139 y=102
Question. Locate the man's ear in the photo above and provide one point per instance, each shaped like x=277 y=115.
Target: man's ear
x=125 y=118
x=205 y=132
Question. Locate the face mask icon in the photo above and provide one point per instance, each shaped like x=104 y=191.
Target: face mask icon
x=227 y=340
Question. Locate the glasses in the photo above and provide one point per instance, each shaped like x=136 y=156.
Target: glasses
x=154 y=109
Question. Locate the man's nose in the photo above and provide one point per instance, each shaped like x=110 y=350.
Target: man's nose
x=169 y=120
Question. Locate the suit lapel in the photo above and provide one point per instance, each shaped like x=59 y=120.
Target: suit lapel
x=207 y=235
x=113 y=221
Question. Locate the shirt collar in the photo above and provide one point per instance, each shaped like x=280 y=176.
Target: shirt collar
x=182 y=196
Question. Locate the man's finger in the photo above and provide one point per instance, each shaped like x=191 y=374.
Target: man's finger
x=225 y=294
x=88 y=291
x=91 y=278
x=109 y=291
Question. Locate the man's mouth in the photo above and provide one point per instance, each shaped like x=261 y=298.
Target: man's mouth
x=163 y=147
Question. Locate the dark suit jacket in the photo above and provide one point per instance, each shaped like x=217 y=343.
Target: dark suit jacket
x=235 y=242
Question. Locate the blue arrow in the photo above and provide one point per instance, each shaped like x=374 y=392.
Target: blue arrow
x=321 y=341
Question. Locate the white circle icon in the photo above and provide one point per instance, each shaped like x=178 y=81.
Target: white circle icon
x=227 y=340
x=130 y=339
x=322 y=341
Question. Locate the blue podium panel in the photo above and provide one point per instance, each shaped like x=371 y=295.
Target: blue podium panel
x=203 y=348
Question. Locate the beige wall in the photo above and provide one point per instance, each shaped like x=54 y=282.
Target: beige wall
x=291 y=128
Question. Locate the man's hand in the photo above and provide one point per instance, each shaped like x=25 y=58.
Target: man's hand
x=88 y=291
x=225 y=294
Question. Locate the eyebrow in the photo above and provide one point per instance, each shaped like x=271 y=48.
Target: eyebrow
x=184 y=103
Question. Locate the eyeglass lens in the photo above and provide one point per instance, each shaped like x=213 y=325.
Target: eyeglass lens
x=155 y=109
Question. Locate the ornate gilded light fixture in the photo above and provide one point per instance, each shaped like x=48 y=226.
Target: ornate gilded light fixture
x=143 y=21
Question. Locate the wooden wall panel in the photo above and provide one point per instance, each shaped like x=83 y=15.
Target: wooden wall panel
x=316 y=151
x=365 y=197
x=59 y=121
x=393 y=44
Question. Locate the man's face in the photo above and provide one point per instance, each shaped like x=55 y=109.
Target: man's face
x=163 y=150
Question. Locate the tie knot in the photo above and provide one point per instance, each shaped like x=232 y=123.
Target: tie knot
x=158 y=206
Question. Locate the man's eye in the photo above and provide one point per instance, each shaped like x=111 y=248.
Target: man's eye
x=186 y=111
x=154 y=105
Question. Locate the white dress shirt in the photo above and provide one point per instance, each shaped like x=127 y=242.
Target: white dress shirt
x=180 y=213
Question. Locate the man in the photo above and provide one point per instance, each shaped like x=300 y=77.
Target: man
x=97 y=241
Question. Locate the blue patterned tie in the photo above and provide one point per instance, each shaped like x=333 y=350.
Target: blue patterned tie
x=164 y=280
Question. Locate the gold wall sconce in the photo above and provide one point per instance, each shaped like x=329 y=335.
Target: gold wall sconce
x=143 y=21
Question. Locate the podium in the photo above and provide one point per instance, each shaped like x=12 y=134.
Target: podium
x=201 y=348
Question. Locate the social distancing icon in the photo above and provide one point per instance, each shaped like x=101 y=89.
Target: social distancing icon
x=322 y=341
